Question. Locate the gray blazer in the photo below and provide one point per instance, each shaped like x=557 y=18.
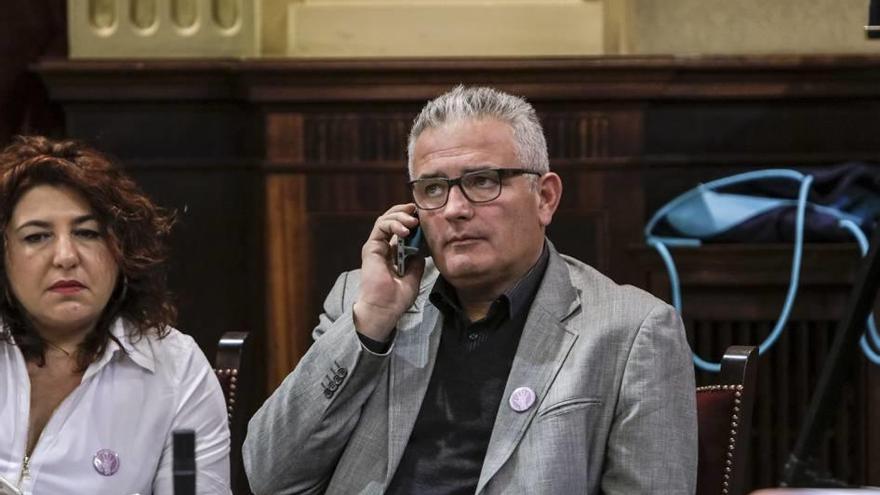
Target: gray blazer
x=615 y=409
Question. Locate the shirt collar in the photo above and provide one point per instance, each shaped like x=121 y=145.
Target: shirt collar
x=518 y=297
x=523 y=292
x=125 y=345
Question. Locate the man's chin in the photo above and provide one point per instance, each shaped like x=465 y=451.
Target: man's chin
x=461 y=269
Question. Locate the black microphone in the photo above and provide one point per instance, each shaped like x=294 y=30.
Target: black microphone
x=184 y=463
x=872 y=30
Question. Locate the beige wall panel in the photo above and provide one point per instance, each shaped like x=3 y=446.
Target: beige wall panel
x=163 y=28
x=274 y=27
x=433 y=28
x=749 y=26
x=618 y=26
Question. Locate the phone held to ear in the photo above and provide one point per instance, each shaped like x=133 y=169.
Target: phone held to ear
x=413 y=244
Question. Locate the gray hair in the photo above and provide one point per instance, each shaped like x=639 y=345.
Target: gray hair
x=463 y=104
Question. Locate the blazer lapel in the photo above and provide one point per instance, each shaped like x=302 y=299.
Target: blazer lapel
x=415 y=350
x=542 y=349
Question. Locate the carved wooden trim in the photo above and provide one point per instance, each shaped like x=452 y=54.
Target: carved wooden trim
x=634 y=78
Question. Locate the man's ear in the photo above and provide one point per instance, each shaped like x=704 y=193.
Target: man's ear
x=549 y=194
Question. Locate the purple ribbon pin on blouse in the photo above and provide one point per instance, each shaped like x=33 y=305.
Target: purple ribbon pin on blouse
x=106 y=462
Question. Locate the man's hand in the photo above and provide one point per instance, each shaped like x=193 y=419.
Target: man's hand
x=383 y=295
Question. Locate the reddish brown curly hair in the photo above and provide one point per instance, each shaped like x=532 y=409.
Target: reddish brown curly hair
x=136 y=231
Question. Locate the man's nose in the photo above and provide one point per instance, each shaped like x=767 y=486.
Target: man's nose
x=457 y=205
x=66 y=254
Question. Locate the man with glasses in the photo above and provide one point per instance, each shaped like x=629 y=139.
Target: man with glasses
x=496 y=365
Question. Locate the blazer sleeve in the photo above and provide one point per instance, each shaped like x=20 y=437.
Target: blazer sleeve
x=295 y=439
x=652 y=446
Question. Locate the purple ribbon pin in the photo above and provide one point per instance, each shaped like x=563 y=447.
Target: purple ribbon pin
x=522 y=399
x=106 y=462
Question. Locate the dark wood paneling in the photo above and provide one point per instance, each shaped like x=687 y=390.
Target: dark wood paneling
x=29 y=29
x=811 y=126
x=212 y=134
x=212 y=248
x=336 y=240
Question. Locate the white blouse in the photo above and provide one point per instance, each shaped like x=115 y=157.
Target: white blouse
x=113 y=434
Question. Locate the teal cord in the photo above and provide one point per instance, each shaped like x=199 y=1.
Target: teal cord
x=660 y=245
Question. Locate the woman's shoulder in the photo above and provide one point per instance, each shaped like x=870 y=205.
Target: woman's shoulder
x=173 y=340
x=169 y=350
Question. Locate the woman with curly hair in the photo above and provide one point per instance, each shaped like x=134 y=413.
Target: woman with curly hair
x=93 y=378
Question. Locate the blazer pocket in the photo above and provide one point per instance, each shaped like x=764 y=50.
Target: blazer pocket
x=567 y=406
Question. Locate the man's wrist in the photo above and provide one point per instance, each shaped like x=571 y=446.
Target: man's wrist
x=375 y=323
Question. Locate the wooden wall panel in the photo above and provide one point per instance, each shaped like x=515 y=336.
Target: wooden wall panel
x=288 y=268
x=356 y=137
x=29 y=29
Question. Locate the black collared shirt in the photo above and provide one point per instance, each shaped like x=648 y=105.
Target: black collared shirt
x=445 y=451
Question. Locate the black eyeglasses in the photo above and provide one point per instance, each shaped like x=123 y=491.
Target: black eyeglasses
x=479 y=186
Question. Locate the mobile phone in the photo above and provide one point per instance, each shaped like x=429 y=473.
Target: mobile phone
x=413 y=244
